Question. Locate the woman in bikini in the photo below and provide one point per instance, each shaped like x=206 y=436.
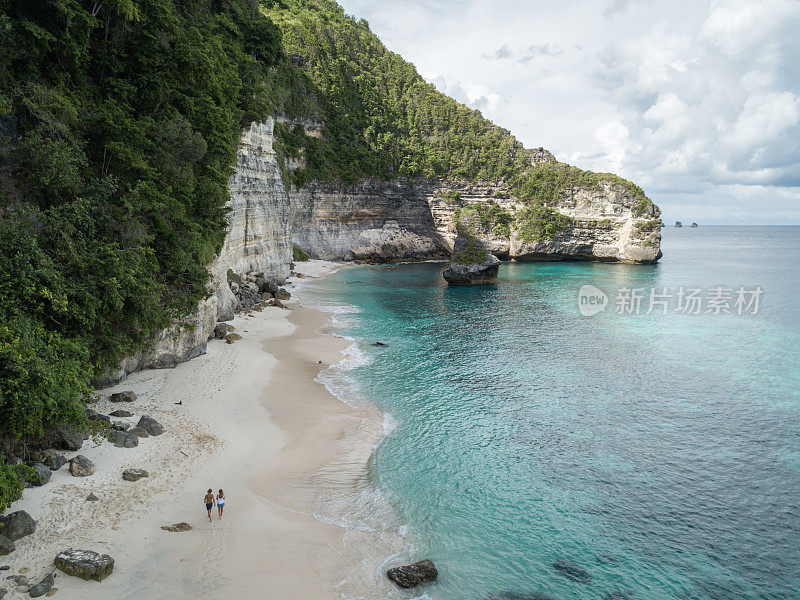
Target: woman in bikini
x=220 y=502
x=209 y=500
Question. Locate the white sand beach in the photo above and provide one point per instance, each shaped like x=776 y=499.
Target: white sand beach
x=253 y=421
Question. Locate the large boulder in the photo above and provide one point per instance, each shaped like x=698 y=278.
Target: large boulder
x=266 y=285
x=139 y=432
x=150 y=425
x=41 y=474
x=80 y=466
x=221 y=330
x=41 y=588
x=282 y=294
x=6 y=546
x=232 y=337
x=126 y=396
x=93 y=415
x=55 y=461
x=410 y=576
x=17 y=525
x=134 y=474
x=471 y=263
x=67 y=437
x=123 y=439
x=85 y=564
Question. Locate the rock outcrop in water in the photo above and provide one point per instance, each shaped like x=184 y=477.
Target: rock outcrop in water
x=471 y=263
x=410 y=576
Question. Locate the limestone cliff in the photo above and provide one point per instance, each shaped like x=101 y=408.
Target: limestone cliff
x=257 y=240
x=406 y=220
x=382 y=221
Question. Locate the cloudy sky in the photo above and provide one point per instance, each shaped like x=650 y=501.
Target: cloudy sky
x=698 y=101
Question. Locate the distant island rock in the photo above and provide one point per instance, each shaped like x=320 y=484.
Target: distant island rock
x=471 y=263
x=678 y=224
x=694 y=225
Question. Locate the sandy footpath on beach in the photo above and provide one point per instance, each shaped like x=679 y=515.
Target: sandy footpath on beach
x=253 y=421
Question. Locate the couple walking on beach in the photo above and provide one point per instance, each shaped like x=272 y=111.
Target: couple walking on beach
x=210 y=501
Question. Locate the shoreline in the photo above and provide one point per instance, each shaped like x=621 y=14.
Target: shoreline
x=256 y=421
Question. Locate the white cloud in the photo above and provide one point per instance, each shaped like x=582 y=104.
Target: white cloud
x=698 y=101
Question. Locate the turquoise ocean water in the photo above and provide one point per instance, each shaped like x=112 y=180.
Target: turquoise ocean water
x=658 y=452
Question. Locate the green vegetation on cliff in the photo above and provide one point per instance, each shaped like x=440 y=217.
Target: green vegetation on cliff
x=119 y=122
x=381 y=119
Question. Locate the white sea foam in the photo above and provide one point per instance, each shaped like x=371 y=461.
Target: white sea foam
x=362 y=507
x=389 y=424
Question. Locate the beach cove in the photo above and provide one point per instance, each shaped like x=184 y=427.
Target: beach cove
x=254 y=421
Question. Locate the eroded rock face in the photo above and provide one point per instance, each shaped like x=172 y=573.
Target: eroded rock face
x=85 y=564
x=410 y=576
x=257 y=240
x=371 y=220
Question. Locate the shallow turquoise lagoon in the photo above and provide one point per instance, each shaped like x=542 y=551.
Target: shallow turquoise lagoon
x=659 y=452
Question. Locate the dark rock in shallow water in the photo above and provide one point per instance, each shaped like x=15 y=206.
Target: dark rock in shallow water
x=80 y=466
x=126 y=396
x=380 y=344
x=409 y=576
x=6 y=546
x=572 y=571
x=85 y=564
x=41 y=588
x=120 y=413
x=17 y=525
x=150 y=425
x=123 y=439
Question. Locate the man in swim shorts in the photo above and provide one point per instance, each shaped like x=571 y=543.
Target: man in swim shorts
x=209 y=500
